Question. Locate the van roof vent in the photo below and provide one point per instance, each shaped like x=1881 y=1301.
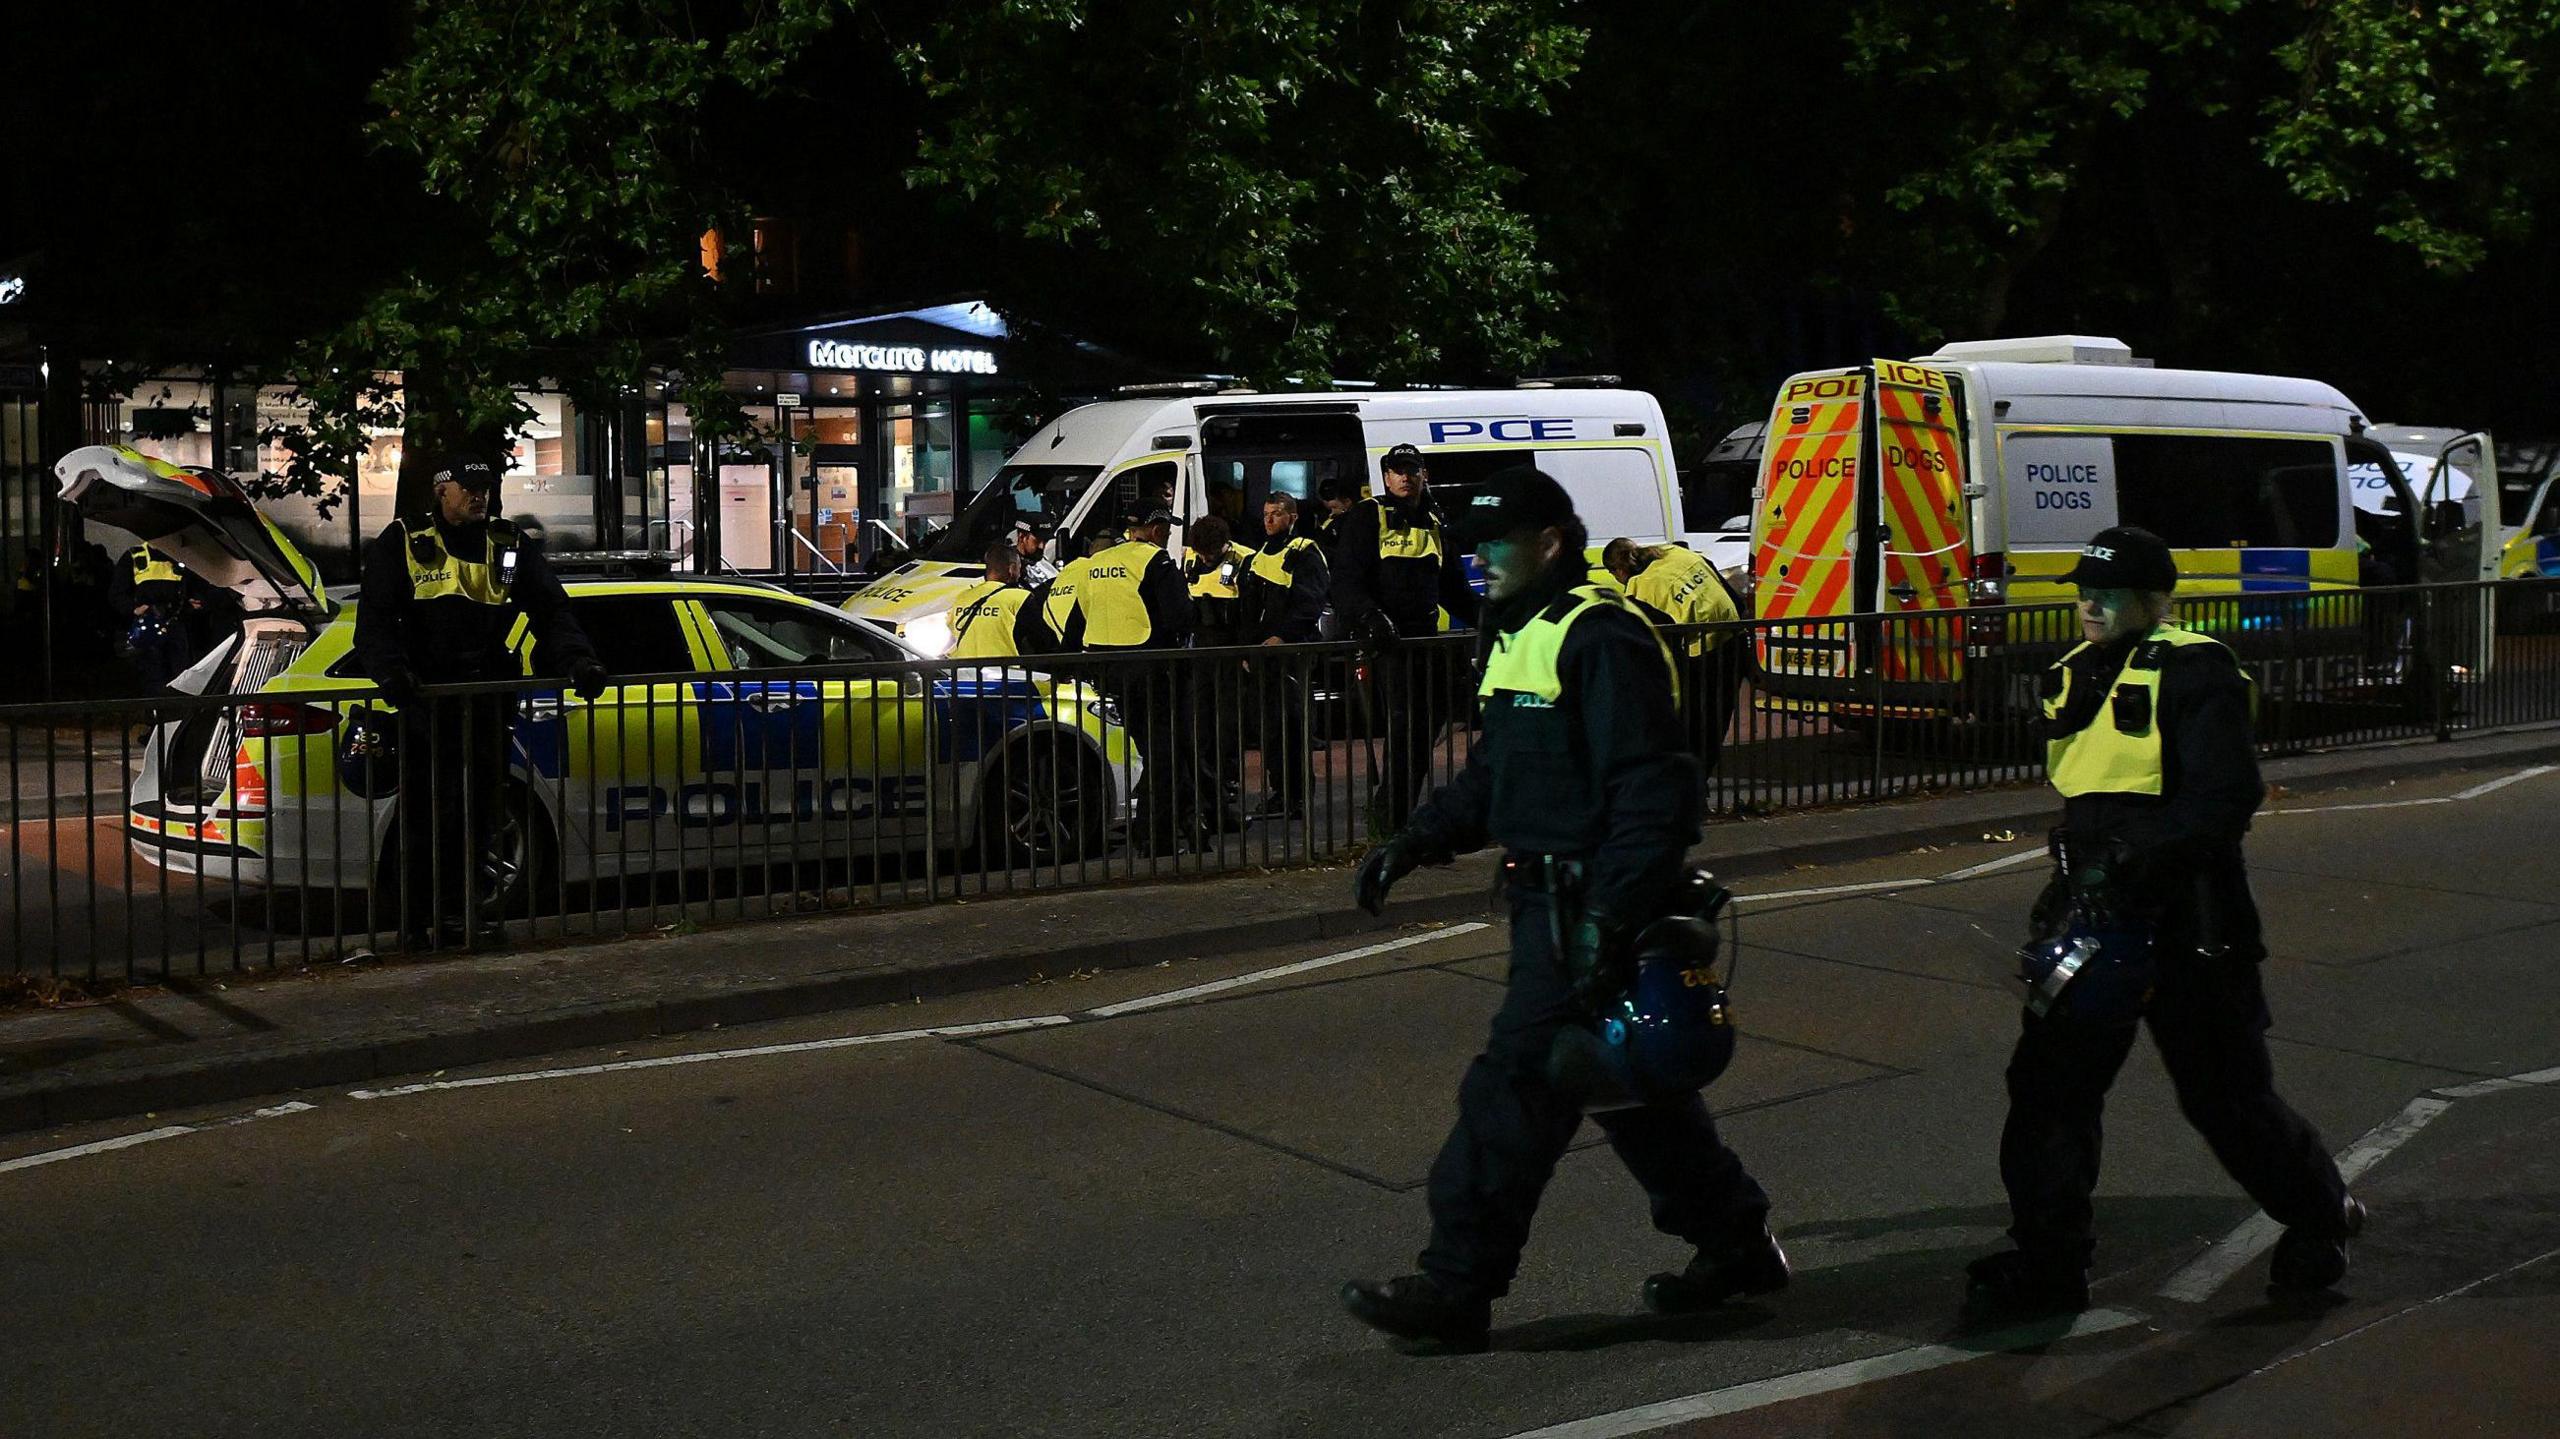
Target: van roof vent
x=2043 y=350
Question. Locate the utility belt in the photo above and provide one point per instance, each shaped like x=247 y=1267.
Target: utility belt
x=1557 y=876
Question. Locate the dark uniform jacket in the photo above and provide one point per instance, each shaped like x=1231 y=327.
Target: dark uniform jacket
x=452 y=640
x=2185 y=841
x=1410 y=592
x=1601 y=775
x=1286 y=612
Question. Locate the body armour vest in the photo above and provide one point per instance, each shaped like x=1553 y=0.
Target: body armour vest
x=2118 y=751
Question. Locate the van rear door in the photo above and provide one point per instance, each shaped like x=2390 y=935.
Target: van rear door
x=1804 y=523
x=1926 y=561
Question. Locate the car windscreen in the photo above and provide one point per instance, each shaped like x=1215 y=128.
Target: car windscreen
x=1041 y=494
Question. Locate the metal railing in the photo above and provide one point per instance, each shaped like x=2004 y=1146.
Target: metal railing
x=287 y=826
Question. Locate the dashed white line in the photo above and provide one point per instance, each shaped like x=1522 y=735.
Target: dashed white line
x=166 y=1131
x=2376 y=804
x=2493 y=786
x=1219 y=986
x=1993 y=866
x=1829 y=889
x=1760 y=1393
x=669 y=1061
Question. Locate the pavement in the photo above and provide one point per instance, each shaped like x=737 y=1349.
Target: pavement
x=1117 y=1202
x=205 y=1039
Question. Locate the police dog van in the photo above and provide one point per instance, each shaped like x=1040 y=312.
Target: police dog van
x=1197 y=451
x=1971 y=477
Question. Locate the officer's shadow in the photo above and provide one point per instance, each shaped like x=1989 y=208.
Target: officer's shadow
x=1915 y=1292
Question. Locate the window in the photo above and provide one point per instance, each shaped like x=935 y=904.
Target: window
x=634 y=634
x=773 y=634
x=1041 y=494
x=2212 y=492
x=1247 y=458
x=1140 y=487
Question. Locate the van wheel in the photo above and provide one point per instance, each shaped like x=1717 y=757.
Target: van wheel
x=1046 y=800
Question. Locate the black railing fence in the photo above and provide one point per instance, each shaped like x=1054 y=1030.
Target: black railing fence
x=279 y=826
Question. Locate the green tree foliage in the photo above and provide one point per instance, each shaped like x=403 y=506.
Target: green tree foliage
x=1312 y=171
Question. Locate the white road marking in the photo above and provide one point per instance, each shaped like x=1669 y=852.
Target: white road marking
x=2495 y=785
x=2196 y=1283
x=1976 y=871
x=1176 y=996
x=2377 y=804
x=166 y=1131
x=1866 y=888
x=668 y=1061
x=1760 y=1393
x=2493 y=1086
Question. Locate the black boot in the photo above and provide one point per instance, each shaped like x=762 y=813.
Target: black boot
x=1755 y=1266
x=1416 y=1306
x=2307 y=1261
x=2018 y=1285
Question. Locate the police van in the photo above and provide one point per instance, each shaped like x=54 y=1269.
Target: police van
x=1971 y=477
x=1199 y=451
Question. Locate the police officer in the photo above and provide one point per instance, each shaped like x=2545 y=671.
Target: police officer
x=1215 y=566
x=1284 y=589
x=1131 y=596
x=2148 y=739
x=1036 y=569
x=1581 y=778
x=441 y=591
x=156 y=593
x=1674 y=585
x=990 y=618
x=1394 y=577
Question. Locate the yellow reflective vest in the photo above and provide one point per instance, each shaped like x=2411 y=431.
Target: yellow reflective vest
x=1683 y=585
x=434 y=573
x=150 y=567
x=982 y=620
x=1115 y=613
x=1219 y=581
x=1524 y=661
x=2119 y=750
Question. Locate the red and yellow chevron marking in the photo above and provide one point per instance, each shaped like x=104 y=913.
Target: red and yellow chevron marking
x=1920 y=475
x=1808 y=507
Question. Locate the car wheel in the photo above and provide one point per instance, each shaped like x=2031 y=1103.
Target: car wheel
x=515 y=866
x=1046 y=800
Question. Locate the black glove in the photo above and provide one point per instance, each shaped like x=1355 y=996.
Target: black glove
x=1376 y=632
x=1598 y=958
x=1385 y=865
x=401 y=688
x=588 y=678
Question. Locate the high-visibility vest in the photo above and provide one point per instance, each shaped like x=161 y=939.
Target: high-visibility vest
x=1524 y=661
x=1272 y=566
x=1219 y=581
x=1406 y=542
x=1683 y=585
x=1115 y=615
x=1061 y=602
x=434 y=573
x=982 y=620
x=2119 y=750
x=150 y=567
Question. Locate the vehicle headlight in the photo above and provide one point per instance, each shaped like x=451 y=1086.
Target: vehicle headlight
x=930 y=636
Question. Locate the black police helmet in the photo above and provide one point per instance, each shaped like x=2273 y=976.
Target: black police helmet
x=1404 y=459
x=2127 y=557
x=1517 y=501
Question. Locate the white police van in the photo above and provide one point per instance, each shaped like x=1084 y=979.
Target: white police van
x=1199 y=451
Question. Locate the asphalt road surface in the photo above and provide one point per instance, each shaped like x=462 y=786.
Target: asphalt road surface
x=1122 y=1205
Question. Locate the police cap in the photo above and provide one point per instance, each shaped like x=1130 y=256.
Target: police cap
x=1403 y=459
x=2126 y=557
x=1519 y=500
x=470 y=469
x=1141 y=518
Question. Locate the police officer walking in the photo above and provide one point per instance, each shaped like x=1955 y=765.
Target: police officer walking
x=441 y=592
x=1394 y=577
x=2148 y=739
x=1285 y=585
x=1673 y=585
x=990 y=618
x=1582 y=779
x=1131 y=596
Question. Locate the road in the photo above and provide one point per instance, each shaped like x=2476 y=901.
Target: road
x=1121 y=1205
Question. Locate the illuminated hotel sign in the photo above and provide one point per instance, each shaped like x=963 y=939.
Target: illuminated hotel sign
x=900 y=359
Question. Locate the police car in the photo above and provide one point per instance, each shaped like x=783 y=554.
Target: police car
x=681 y=767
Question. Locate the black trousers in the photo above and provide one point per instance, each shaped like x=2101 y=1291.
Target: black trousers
x=1513 y=1126
x=453 y=764
x=1411 y=696
x=1158 y=709
x=1279 y=692
x=2209 y=1018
